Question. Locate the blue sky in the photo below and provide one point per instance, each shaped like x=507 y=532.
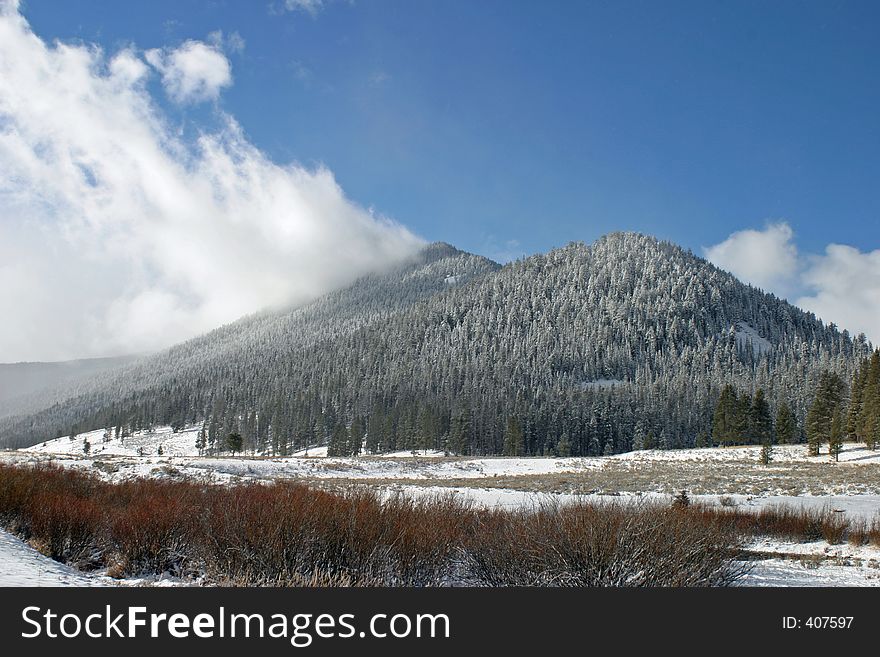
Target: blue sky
x=196 y=160
x=484 y=122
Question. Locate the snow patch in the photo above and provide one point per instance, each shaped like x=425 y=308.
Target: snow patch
x=746 y=335
x=602 y=383
x=24 y=566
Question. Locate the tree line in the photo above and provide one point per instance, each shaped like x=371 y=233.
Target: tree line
x=835 y=414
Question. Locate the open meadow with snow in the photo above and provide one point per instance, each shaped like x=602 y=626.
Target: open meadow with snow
x=729 y=477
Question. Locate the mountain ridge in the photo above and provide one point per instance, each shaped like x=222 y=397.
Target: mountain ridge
x=446 y=350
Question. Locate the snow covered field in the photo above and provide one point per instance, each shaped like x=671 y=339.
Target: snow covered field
x=729 y=476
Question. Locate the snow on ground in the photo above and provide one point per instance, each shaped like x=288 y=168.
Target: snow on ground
x=728 y=470
x=813 y=564
x=747 y=335
x=787 y=572
x=854 y=507
x=22 y=565
x=183 y=444
x=311 y=452
x=852 y=488
x=141 y=443
x=417 y=453
x=852 y=453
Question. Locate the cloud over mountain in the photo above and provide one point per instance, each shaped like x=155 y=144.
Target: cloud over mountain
x=841 y=286
x=119 y=234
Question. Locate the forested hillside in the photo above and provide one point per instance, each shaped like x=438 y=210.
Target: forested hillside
x=588 y=349
x=22 y=383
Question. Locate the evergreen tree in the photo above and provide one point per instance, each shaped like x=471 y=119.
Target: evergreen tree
x=827 y=401
x=743 y=420
x=869 y=416
x=514 y=445
x=854 y=426
x=724 y=420
x=338 y=444
x=358 y=429
x=234 y=442
x=563 y=447
x=766 y=456
x=703 y=440
x=835 y=440
x=201 y=440
x=460 y=432
x=760 y=422
x=786 y=425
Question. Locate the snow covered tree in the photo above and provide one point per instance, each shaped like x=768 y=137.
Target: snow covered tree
x=826 y=402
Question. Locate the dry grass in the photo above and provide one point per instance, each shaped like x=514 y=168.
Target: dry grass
x=697 y=477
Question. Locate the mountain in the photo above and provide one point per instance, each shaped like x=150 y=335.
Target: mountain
x=21 y=383
x=586 y=349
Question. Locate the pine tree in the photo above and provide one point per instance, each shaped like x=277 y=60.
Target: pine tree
x=760 y=422
x=743 y=420
x=856 y=397
x=356 y=441
x=827 y=401
x=460 y=430
x=786 y=425
x=514 y=445
x=835 y=440
x=869 y=416
x=724 y=420
x=234 y=442
x=766 y=456
x=338 y=444
x=87 y=446
x=201 y=439
x=703 y=440
x=563 y=447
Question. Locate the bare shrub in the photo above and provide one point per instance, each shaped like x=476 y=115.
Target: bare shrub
x=611 y=544
x=289 y=534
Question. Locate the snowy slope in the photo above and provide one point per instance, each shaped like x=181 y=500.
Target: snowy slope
x=141 y=443
x=747 y=336
x=24 y=566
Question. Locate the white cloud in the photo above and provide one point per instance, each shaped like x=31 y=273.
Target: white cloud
x=765 y=258
x=311 y=7
x=235 y=42
x=232 y=42
x=117 y=235
x=841 y=286
x=192 y=73
x=845 y=288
